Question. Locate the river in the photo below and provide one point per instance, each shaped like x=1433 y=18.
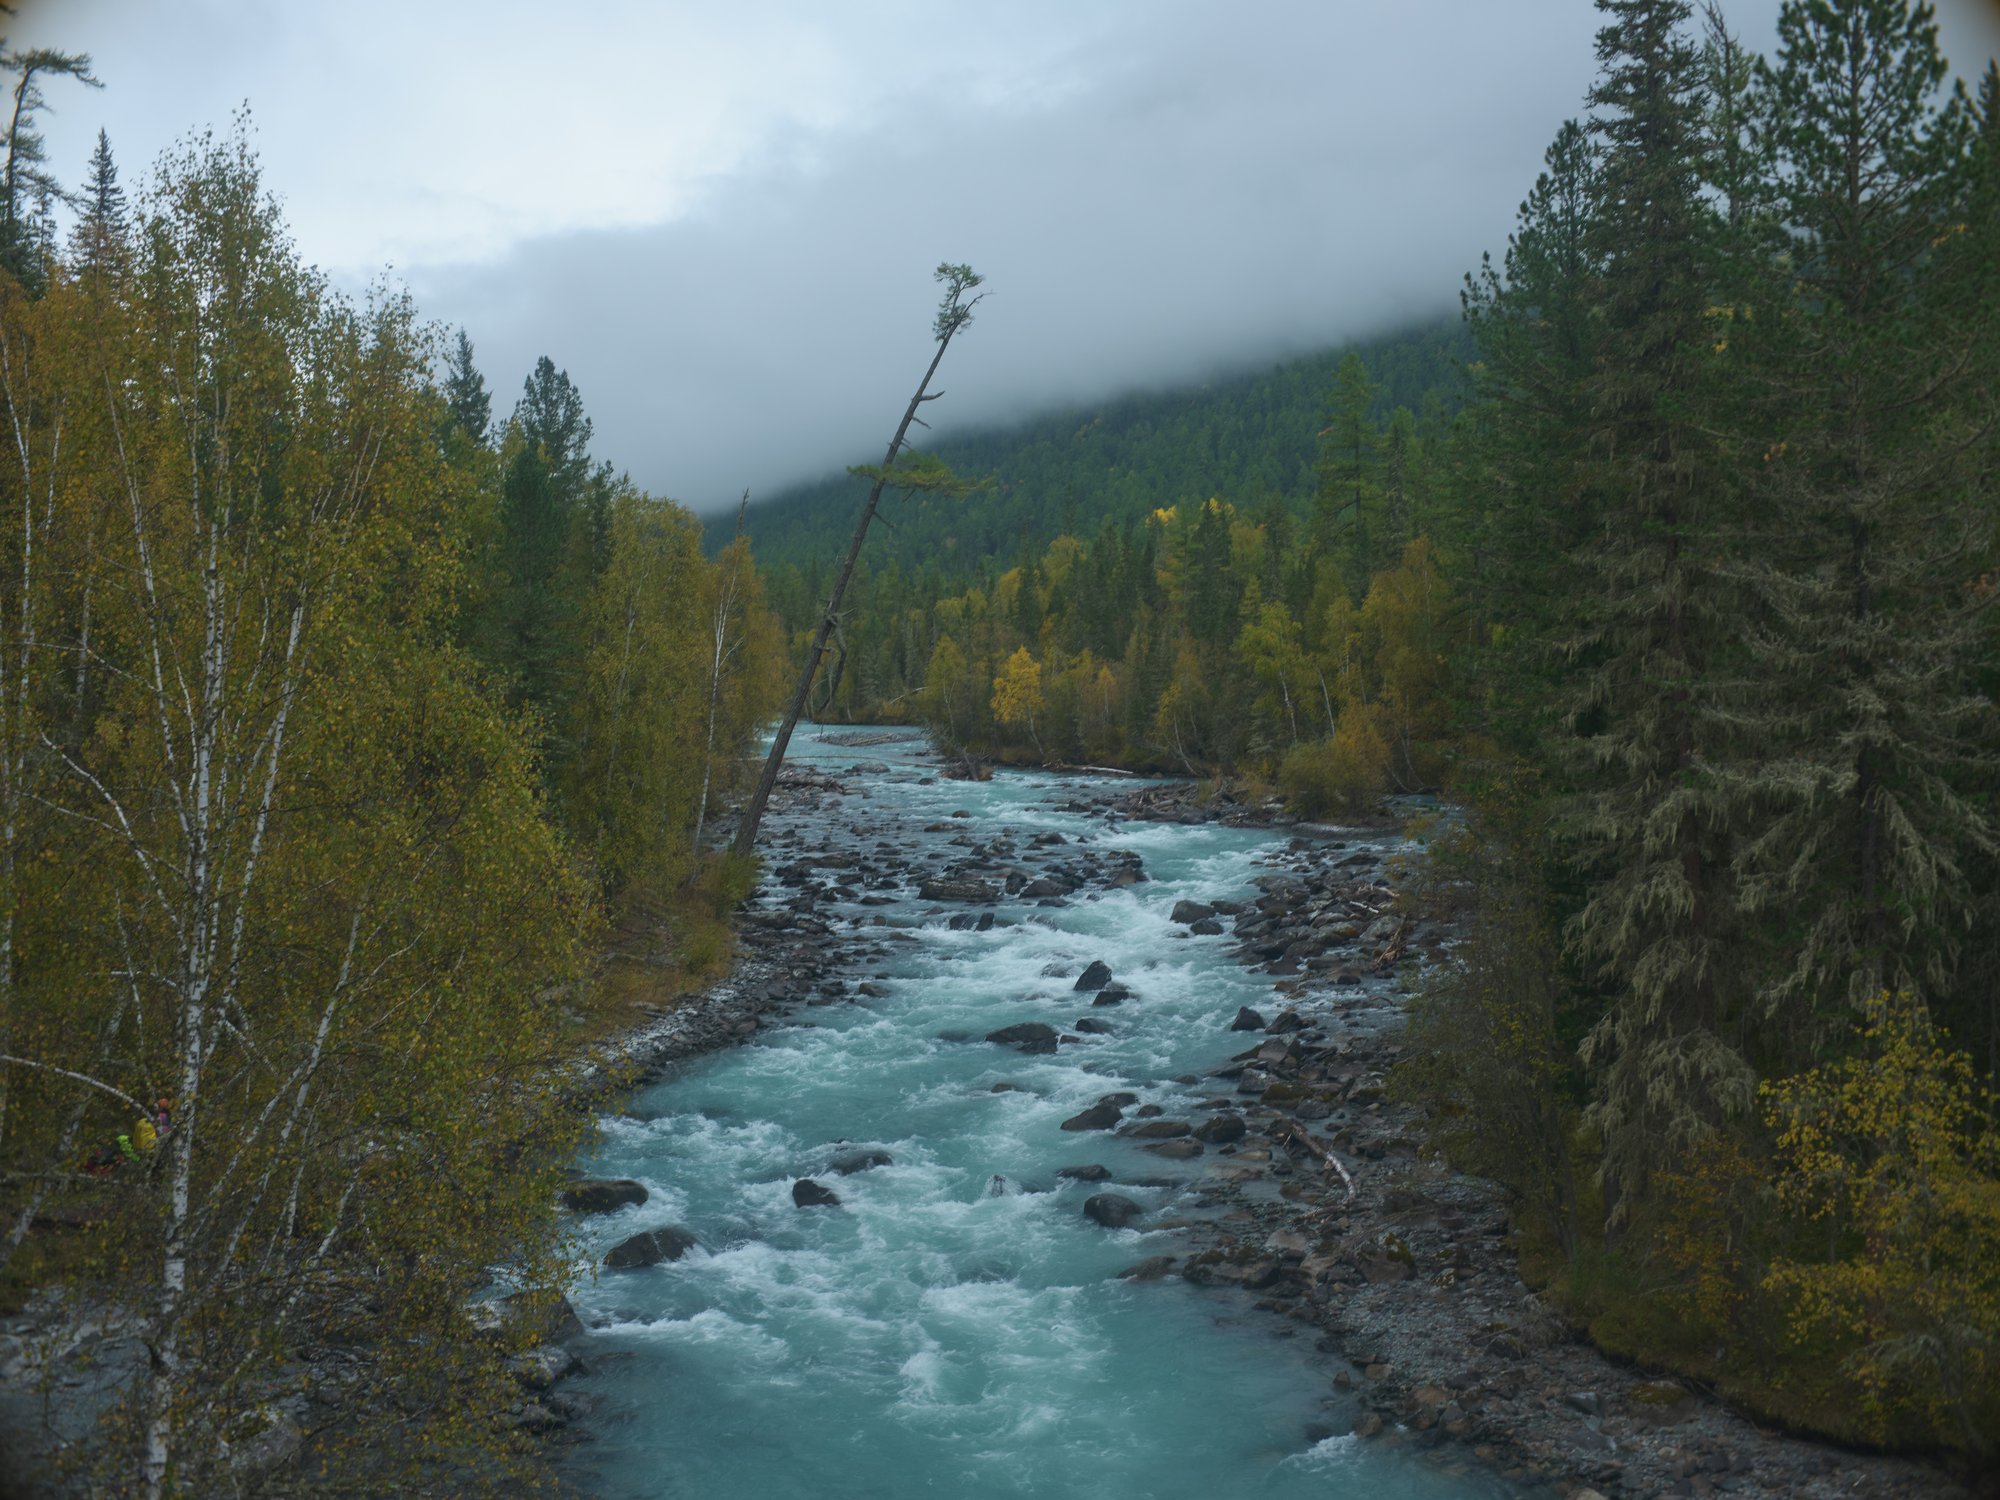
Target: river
x=956 y=1326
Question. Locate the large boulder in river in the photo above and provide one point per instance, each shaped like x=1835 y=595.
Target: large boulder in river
x=850 y=1162
x=1191 y=911
x=1096 y=977
x=809 y=1194
x=1112 y=1210
x=650 y=1248
x=1099 y=1116
x=1112 y=994
x=1029 y=1036
x=1246 y=1020
x=600 y=1195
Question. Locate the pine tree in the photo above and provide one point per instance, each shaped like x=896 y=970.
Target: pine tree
x=465 y=393
x=1866 y=714
x=1653 y=819
x=24 y=177
x=102 y=238
x=1344 y=510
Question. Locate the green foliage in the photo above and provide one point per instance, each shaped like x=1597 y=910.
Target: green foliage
x=1893 y=1156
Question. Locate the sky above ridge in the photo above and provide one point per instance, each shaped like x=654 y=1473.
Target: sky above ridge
x=721 y=220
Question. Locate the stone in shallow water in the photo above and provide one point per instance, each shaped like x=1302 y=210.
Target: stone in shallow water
x=1096 y=977
x=850 y=1162
x=1246 y=1020
x=1152 y=1268
x=1181 y=1150
x=650 y=1248
x=1029 y=1036
x=809 y=1194
x=600 y=1195
x=1220 y=1130
x=1112 y=1210
x=1097 y=1117
x=1092 y=1172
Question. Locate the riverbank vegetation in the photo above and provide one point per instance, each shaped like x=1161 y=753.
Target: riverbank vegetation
x=1686 y=583
x=339 y=724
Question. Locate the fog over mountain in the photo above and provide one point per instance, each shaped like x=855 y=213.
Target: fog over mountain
x=723 y=225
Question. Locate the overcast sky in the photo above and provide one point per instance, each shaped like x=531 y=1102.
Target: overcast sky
x=721 y=219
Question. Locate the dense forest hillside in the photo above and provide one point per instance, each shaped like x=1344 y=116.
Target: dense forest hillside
x=1247 y=438
x=1685 y=582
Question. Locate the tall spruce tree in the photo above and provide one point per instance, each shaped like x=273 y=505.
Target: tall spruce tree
x=1653 y=822
x=1344 y=509
x=465 y=393
x=1537 y=334
x=1867 y=719
x=101 y=240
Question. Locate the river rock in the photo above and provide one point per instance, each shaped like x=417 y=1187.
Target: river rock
x=1289 y=1020
x=1096 y=977
x=1097 y=1117
x=1246 y=1020
x=540 y=1368
x=850 y=1162
x=1111 y=1210
x=1220 y=1130
x=1152 y=1268
x=1112 y=994
x=1029 y=1036
x=958 y=890
x=1092 y=1172
x=1186 y=912
x=1183 y=1149
x=1091 y=1026
x=809 y=1194
x=1157 y=1130
x=650 y=1248
x=600 y=1195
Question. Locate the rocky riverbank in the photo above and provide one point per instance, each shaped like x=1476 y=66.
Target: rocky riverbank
x=1319 y=1205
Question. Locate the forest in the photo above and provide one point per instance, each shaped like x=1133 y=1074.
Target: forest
x=1677 y=568
x=347 y=727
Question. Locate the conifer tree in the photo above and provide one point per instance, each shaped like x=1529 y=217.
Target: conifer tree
x=1866 y=715
x=1343 y=512
x=24 y=177
x=1653 y=820
x=465 y=393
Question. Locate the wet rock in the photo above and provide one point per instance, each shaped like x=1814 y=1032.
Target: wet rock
x=600 y=1195
x=1181 y=1150
x=1091 y=1026
x=1091 y=1172
x=809 y=1194
x=1247 y=1020
x=958 y=890
x=1096 y=977
x=1220 y=1130
x=1367 y=1425
x=1112 y=994
x=1112 y=1210
x=1097 y=1117
x=1286 y=1021
x=650 y=1248
x=1152 y=1268
x=1157 y=1130
x=1206 y=927
x=538 y=1369
x=850 y=1162
x=1186 y=912
x=1029 y=1036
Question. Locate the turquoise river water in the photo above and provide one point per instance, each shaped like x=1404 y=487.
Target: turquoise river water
x=940 y=1334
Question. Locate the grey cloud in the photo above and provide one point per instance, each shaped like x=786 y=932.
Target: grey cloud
x=1225 y=189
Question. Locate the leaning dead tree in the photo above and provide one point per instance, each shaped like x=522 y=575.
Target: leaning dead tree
x=954 y=313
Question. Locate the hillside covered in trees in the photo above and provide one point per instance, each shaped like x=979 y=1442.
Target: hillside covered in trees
x=338 y=725
x=1685 y=581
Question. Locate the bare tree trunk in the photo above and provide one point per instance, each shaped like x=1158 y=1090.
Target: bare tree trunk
x=953 y=316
